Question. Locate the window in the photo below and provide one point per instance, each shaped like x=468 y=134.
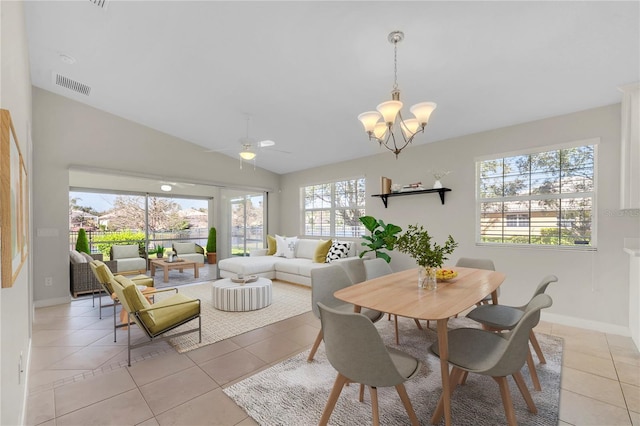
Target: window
x=538 y=198
x=333 y=209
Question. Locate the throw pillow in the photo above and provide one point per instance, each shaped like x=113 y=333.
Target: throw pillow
x=289 y=249
x=271 y=245
x=322 y=249
x=280 y=246
x=338 y=250
x=87 y=257
x=76 y=257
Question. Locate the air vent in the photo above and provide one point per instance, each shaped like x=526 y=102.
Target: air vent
x=100 y=3
x=70 y=84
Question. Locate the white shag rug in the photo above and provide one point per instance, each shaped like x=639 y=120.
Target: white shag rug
x=295 y=392
x=288 y=300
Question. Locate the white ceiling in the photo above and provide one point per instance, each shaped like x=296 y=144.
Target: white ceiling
x=304 y=70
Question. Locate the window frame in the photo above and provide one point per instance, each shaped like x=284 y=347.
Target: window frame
x=332 y=208
x=559 y=196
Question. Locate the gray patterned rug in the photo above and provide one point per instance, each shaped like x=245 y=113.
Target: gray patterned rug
x=294 y=392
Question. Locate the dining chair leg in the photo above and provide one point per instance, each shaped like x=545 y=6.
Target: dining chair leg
x=361 y=396
x=333 y=398
x=506 y=400
x=407 y=404
x=374 y=405
x=454 y=378
x=395 y=318
x=525 y=392
x=463 y=378
x=316 y=344
x=115 y=327
x=418 y=324
x=388 y=317
x=536 y=347
x=533 y=372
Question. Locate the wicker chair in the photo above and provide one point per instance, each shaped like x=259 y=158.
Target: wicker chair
x=81 y=278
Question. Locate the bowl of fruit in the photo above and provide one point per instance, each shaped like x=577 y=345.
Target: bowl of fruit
x=445 y=274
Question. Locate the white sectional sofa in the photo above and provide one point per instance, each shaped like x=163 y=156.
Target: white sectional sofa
x=295 y=270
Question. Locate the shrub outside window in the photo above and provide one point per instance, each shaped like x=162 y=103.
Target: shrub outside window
x=542 y=198
x=333 y=209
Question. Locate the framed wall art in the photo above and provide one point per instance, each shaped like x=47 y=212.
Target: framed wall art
x=14 y=195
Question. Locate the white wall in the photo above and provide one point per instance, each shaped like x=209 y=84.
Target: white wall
x=593 y=286
x=15 y=302
x=68 y=133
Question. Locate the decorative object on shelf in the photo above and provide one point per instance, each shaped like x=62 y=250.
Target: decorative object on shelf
x=412 y=187
x=385 y=185
x=212 y=256
x=416 y=242
x=394 y=132
x=437 y=175
x=383 y=237
x=396 y=187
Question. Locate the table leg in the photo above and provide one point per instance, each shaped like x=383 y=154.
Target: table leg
x=443 y=346
x=494 y=297
x=196 y=272
x=166 y=274
x=153 y=269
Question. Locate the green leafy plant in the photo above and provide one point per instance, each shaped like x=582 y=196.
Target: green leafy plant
x=383 y=237
x=211 y=241
x=160 y=250
x=82 y=243
x=416 y=242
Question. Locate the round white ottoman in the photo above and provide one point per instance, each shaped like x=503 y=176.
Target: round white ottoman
x=230 y=296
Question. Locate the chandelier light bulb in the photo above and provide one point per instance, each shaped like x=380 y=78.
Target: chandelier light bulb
x=423 y=111
x=369 y=120
x=247 y=155
x=389 y=110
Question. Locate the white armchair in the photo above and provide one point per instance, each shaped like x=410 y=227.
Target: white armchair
x=127 y=257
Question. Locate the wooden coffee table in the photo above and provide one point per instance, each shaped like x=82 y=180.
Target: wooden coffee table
x=177 y=264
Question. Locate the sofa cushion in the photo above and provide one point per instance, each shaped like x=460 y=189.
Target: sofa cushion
x=184 y=248
x=125 y=251
x=75 y=257
x=131 y=264
x=286 y=246
x=271 y=245
x=338 y=250
x=306 y=248
x=248 y=265
x=320 y=255
x=292 y=266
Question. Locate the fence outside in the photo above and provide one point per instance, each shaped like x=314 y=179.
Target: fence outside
x=101 y=241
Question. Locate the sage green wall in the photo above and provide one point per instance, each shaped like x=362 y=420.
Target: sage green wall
x=593 y=286
x=68 y=133
x=15 y=302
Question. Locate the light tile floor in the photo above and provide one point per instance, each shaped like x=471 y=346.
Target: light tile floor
x=78 y=375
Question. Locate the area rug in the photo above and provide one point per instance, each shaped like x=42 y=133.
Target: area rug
x=294 y=392
x=288 y=300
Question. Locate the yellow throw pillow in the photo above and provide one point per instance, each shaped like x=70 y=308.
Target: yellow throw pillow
x=320 y=256
x=271 y=245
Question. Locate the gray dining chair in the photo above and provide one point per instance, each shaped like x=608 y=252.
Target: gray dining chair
x=478 y=263
x=501 y=317
x=356 y=350
x=325 y=282
x=378 y=267
x=473 y=350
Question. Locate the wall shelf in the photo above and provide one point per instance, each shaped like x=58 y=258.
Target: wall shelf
x=385 y=197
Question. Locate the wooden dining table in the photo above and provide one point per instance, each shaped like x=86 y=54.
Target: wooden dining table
x=398 y=294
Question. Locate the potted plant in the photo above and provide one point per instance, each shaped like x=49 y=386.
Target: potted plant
x=82 y=243
x=416 y=242
x=212 y=257
x=383 y=237
x=159 y=251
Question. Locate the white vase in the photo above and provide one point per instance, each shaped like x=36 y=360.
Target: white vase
x=437 y=184
x=427 y=278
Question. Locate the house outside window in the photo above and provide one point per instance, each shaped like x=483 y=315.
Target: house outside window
x=539 y=198
x=333 y=209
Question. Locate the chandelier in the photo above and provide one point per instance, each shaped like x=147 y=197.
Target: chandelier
x=395 y=132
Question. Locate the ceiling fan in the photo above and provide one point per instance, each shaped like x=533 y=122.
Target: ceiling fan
x=167 y=186
x=250 y=147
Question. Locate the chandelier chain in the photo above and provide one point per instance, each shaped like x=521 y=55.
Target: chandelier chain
x=395 y=65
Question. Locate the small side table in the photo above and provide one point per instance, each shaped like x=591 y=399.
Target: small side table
x=238 y=297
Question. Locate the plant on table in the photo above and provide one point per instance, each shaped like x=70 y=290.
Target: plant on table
x=416 y=242
x=159 y=251
x=383 y=237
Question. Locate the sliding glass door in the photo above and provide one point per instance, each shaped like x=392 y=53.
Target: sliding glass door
x=247 y=218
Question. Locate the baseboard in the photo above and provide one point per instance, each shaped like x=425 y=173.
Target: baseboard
x=51 y=302
x=586 y=324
